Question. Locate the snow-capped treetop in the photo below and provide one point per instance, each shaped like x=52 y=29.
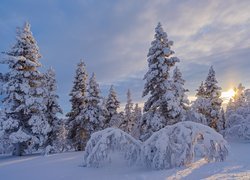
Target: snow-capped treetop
x=211 y=86
x=25 y=52
x=178 y=83
x=129 y=116
x=201 y=91
x=160 y=60
x=51 y=96
x=239 y=96
x=93 y=91
x=177 y=76
x=129 y=105
x=51 y=79
x=79 y=90
x=213 y=93
x=112 y=104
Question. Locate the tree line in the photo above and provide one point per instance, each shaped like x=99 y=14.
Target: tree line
x=29 y=119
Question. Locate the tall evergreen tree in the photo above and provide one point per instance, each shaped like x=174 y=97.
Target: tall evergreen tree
x=159 y=86
x=75 y=122
x=24 y=120
x=239 y=96
x=137 y=114
x=237 y=115
x=201 y=92
x=52 y=110
x=180 y=94
x=93 y=115
x=129 y=118
x=112 y=105
x=212 y=93
x=199 y=106
x=237 y=107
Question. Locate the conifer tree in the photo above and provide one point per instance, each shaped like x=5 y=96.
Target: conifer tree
x=75 y=122
x=112 y=105
x=212 y=94
x=178 y=87
x=199 y=106
x=24 y=120
x=52 y=110
x=162 y=103
x=237 y=115
x=239 y=96
x=237 y=106
x=129 y=119
x=137 y=114
x=93 y=115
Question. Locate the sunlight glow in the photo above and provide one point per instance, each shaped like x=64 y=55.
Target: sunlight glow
x=228 y=94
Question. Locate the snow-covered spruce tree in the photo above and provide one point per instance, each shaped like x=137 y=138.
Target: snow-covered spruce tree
x=112 y=104
x=237 y=125
x=93 y=116
x=162 y=101
x=24 y=120
x=199 y=106
x=129 y=118
x=236 y=107
x=52 y=109
x=239 y=96
x=178 y=86
x=75 y=122
x=137 y=113
x=212 y=94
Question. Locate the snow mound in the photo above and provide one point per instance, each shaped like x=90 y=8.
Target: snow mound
x=175 y=145
x=103 y=143
x=238 y=132
x=170 y=147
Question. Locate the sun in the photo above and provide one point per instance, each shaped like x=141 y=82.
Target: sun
x=228 y=94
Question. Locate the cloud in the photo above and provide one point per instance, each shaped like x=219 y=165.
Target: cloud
x=113 y=38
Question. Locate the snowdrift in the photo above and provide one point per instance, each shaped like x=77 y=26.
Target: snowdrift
x=101 y=145
x=170 y=147
x=174 y=146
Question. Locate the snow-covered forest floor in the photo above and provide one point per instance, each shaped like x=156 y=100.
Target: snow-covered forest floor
x=69 y=166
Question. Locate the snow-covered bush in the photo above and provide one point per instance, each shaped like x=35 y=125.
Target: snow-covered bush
x=102 y=144
x=238 y=132
x=174 y=146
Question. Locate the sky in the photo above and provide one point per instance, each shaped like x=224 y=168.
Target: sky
x=113 y=38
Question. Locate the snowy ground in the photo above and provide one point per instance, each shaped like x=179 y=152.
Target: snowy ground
x=68 y=166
